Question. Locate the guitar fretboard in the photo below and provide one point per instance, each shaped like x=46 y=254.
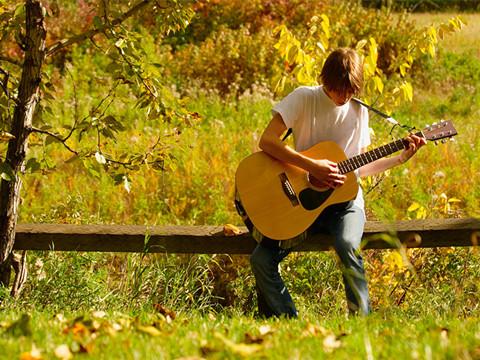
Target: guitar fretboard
x=358 y=161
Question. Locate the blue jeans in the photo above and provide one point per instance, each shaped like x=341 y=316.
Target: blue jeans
x=345 y=222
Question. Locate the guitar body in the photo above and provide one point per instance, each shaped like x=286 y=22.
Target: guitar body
x=279 y=199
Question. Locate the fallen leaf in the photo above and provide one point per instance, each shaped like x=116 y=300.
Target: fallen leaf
x=253 y=339
x=165 y=311
x=244 y=350
x=34 y=354
x=315 y=330
x=444 y=337
x=63 y=352
x=77 y=347
x=150 y=330
x=99 y=314
x=79 y=329
x=231 y=230
x=330 y=343
x=60 y=318
x=265 y=329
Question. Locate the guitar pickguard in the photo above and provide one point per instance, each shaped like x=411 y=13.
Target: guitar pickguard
x=312 y=199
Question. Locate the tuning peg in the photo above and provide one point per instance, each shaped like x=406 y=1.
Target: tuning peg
x=436 y=142
x=452 y=139
x=444 y=141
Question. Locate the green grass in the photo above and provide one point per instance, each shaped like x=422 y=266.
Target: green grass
x=229 y=336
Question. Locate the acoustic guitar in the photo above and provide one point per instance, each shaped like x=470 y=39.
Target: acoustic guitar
x=282 y=200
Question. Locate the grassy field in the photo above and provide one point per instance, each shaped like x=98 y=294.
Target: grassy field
x=196 y=336
x=95 y=306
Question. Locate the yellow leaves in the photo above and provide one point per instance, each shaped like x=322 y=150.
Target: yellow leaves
x=446 y=205
x=149 y=330
x=325 y=25
x=407 y=90
x=361 y=44
x=304 y=58
x=417 y=211
x=403 y=68
x=370 y=62
x=240 y=349
x=330 y=341
x=378 y=83
x=453 y=25
x=394 y=260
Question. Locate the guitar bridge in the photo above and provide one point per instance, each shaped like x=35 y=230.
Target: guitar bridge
x=288 y=189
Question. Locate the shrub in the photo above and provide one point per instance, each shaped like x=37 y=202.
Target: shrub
x=228 y=61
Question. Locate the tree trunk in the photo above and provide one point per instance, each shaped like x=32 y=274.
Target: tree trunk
x=28 y=97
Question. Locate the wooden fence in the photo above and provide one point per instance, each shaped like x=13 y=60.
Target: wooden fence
x=212 y=239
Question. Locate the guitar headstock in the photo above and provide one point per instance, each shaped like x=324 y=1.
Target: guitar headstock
x=439 y=131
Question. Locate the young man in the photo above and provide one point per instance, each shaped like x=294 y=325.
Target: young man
x=315 y=114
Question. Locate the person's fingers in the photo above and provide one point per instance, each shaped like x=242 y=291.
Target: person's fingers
x=336 y=176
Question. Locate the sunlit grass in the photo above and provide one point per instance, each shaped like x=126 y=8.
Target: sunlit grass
x=97 y=335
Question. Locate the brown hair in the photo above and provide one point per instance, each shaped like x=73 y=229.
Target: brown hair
x=343 y=71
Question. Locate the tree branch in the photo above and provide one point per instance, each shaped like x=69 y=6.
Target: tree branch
x=55 y=136
x=10 y=60
x=88 y=34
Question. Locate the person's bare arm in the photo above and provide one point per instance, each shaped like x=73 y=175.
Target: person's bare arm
x=324 y=170
x=380 y=165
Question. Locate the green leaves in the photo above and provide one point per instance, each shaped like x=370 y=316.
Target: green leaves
x=6 y=172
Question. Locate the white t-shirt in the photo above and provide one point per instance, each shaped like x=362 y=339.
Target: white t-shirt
x=314 y=117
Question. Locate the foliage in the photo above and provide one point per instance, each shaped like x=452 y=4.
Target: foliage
x=123 y=73
x=257 y=15
x=229 y=61
x=388 y=56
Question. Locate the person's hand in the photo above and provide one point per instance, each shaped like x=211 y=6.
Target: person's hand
x=325 y=173
x=415 y=143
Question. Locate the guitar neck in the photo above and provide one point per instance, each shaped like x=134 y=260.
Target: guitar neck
x=358 y=161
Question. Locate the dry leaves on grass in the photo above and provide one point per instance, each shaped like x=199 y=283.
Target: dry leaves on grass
x=253 y=344
x=169 y=314
x=330 y=341
x=240 y=349
x=63 y=352
x=34 y=354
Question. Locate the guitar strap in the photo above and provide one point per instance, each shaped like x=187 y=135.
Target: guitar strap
x=289 y=131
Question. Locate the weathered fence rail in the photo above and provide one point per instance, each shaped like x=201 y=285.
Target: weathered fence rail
x=212 y=239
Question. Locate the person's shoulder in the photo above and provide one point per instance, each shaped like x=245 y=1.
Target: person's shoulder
x=360 y=110
x=307 y=91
